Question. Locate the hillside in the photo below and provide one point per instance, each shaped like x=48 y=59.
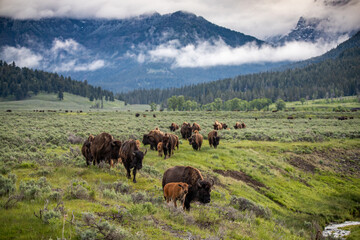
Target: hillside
x=275 y=179
x=333 y=77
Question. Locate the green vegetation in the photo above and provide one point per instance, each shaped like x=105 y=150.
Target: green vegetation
x=19 y=83
x=275 y=179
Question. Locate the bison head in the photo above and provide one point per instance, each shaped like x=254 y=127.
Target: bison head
x=146 y=139
x=115 y=149
x=216 y=141
x=203 y=190
x=224 y=125
x=138 y=158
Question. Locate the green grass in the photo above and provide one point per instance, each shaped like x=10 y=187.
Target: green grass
x=44 y=101
x=302 y=168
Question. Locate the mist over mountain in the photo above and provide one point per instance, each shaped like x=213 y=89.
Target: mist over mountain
x=148 y=51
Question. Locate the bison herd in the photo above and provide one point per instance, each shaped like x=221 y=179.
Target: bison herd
x=181 y=183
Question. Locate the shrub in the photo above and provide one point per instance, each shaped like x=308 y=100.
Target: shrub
x=244 y=204
x=7 y=185
x=35 y=189
x=80 y=190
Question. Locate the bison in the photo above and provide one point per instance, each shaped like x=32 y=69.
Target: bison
x=104 y=147
x=196 y=140
x=199 y=189
x=237 y=125
x=176 y=191
x=169 y=143
x=186 y=130
x=217 y=125
x=213 y=138
x=195 y=127
x=131 y=157
x=153 y=138
x=173 y=127
x=85 y=150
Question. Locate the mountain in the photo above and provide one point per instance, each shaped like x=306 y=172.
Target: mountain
x=310 y=30
x=332 y=77
x=109 y=52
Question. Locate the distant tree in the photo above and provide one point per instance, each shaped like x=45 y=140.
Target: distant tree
x=91 y=98
x=302 y=100
x=280 y=104
x=153 y=106
x=218 y=104
x=60 y=95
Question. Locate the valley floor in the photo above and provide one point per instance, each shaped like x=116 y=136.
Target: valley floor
x=275 y=179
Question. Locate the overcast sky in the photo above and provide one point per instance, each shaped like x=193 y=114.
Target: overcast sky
x=259 y=18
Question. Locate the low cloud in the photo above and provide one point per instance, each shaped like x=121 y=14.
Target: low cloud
x=22 y=56
x=68 y=45
x=74 y=66
x=206 y=54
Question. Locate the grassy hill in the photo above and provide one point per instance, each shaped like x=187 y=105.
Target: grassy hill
x=275 y=179
x=44 y=101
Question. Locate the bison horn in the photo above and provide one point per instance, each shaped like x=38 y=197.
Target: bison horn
x=134 y=154
x=199 y=183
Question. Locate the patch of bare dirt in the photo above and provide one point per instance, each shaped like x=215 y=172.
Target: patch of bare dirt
x=238 y=175
x=343 y=161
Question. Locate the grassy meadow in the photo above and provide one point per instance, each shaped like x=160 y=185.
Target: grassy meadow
x=275 y=179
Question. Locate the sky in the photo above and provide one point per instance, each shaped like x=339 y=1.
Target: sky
x=258 y=18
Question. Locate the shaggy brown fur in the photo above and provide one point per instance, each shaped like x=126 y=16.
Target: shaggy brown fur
x=104 y=147
x=196 y=140
x=176 y=191
x=160 y=148
x=186 y=130
x=131 y=157
x=237 y=125
x=213 y=138
x=199 y=189
x=169 y=143
x=85 y=150
x=173 y=127
x=217 y=125
x=195 y=127
x=153 y=138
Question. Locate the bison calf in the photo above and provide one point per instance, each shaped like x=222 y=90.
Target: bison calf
x=213 y=138
x=176 y=191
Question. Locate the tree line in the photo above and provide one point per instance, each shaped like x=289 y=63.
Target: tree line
x=331 y=78
x=24 y=82
x=178 y=103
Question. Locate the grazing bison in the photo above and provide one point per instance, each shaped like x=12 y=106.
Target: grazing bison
x=153 y=138
x=213 y=138
x=168 y=144
x=195 y=127
x=199 y=189
x=131 y=157
x=186 y=130
x=176 y=191
x=196 y=140
x=290 y=117
x=237 y=125
x=173 y=127
x=224 y=125
x=137 y=114
x=217 y=125
x=85 y=150
x=104 y=147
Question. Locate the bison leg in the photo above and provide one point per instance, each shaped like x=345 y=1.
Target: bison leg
x=165 y=152
x=175 y=203
x=128 y=173
x=187 y=204
x=134 y=173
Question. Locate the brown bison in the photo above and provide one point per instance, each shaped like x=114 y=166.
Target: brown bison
x=176 y=191
x=104 y=147
x=173 y=127
x=131 y=157
x=186 y=130
x=213 y=138
x=237 y=125
x=160 y=148
x=196 y=140
x=195 y=127
x=85 y=150
x=153 y=138
x=217 y=125
x=169 y=143
x=199 y=189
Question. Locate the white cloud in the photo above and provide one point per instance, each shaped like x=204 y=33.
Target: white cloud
x=205 y=54
x=68 y=45
x=72 y=65
x=22 y=56
x=259 y=18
